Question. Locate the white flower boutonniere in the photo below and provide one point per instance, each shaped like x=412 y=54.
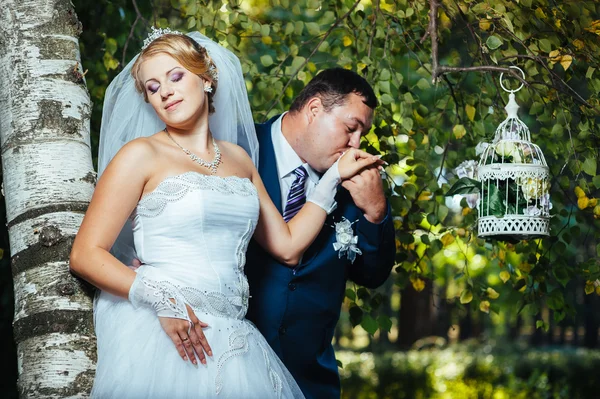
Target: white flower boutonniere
x=346 y=240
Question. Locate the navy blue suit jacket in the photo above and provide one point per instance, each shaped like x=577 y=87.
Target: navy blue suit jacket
x=297 y=313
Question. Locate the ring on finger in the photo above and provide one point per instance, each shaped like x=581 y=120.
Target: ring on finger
x=185 y=339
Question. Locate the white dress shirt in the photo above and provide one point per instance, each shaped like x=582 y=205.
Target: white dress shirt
x=287 y=161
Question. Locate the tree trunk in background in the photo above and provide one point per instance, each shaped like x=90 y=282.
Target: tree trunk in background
x=466 y=324
x=48 y=180
x=590 y=339
x=441 y=312
x=382 y=343
x=414 y=318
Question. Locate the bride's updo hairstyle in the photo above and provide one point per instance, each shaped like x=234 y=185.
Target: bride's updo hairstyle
x=185 y=51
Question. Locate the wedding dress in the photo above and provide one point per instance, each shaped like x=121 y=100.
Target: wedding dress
x=191 y=231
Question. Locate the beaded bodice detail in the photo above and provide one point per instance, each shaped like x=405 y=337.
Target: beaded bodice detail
x=193 y=230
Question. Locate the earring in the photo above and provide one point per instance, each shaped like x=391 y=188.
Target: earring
x=208 y=89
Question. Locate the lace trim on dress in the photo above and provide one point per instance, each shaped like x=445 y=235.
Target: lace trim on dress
x=242 y=289
x=213 y=302
x=174 y=188
x=238 y=346
x=275 y=379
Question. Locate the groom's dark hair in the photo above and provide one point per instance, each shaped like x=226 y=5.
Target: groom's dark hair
x=332 y=86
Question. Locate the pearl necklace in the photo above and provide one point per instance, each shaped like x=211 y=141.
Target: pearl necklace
x=212 y=166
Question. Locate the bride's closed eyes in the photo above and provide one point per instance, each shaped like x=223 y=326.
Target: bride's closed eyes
x=175 y=77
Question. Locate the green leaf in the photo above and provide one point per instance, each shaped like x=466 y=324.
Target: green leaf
x=442 y=212
x=423 y=84
x=420 y=171
x=463 y=186
x=111 y=46
x=384 y=322
x=298 y=27
x=313 y=28
x=363 y=293
x=265 y=30
x=351 y=294
x=493 y=42
x=110 y=62
x=406 y=238
x=541 y=324
x=297 y=62
x=589 y=72
x=545 y=45
x=266 y=60
x=289 y=28
x=466 y=296
x=386 y=99
x=384 y=86
x=536 y=108
x=493 y=200
x=369 y=324
x=459 y=131
x=562 y=276
x=589 y=166
x=356 y=315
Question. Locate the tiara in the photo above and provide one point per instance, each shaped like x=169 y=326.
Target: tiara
x=156 y=33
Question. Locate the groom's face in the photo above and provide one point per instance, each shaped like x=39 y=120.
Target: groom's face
x=331 y=133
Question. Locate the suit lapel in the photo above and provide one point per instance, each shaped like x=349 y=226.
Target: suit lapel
x=267 y=164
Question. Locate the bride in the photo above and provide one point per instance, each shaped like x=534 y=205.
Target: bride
x=186 y=201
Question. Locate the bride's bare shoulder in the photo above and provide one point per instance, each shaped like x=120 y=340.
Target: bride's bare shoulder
x=138 y=154
x=236 y=152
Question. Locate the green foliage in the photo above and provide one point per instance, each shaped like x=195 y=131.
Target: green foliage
x=423 y=129
x=465 y=372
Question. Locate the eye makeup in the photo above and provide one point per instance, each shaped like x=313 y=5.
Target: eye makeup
x=175 y=77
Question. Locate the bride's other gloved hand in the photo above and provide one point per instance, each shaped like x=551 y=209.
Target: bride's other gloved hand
x=349 y=164
x=175 y=316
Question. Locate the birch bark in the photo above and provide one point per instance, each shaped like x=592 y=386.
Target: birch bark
x=48 y=180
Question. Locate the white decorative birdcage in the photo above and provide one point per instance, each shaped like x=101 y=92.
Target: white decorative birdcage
x=514 y=197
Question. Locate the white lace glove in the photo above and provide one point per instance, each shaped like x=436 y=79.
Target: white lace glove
x=324 y=193
x=162 y=296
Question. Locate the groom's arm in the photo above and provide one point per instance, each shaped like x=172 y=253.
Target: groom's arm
x=375 y=230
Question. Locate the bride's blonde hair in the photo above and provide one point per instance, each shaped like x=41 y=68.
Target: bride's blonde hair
x=184 y=50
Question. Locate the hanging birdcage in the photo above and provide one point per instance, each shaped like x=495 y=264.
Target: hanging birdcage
x=515 y=181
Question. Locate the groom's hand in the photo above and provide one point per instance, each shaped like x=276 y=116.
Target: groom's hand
x=366 y=189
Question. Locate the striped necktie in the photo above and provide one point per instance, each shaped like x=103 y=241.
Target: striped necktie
x=297 y=196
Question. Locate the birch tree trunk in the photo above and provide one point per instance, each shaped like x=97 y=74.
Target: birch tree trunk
x=48 y=180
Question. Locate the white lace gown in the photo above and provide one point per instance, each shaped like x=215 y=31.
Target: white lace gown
x=193 y=231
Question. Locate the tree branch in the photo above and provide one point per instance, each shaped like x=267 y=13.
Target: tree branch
x=137 y=18
x=373 y=30
x=437 y=70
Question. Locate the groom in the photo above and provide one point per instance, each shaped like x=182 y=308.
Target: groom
x=297 y=309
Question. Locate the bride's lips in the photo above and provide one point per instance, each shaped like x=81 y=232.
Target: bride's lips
x=172 y=105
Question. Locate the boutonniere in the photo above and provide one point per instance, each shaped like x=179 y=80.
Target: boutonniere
x=346 y=240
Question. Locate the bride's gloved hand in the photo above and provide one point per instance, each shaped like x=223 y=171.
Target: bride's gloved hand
x=348 y=165
x=175 y=316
